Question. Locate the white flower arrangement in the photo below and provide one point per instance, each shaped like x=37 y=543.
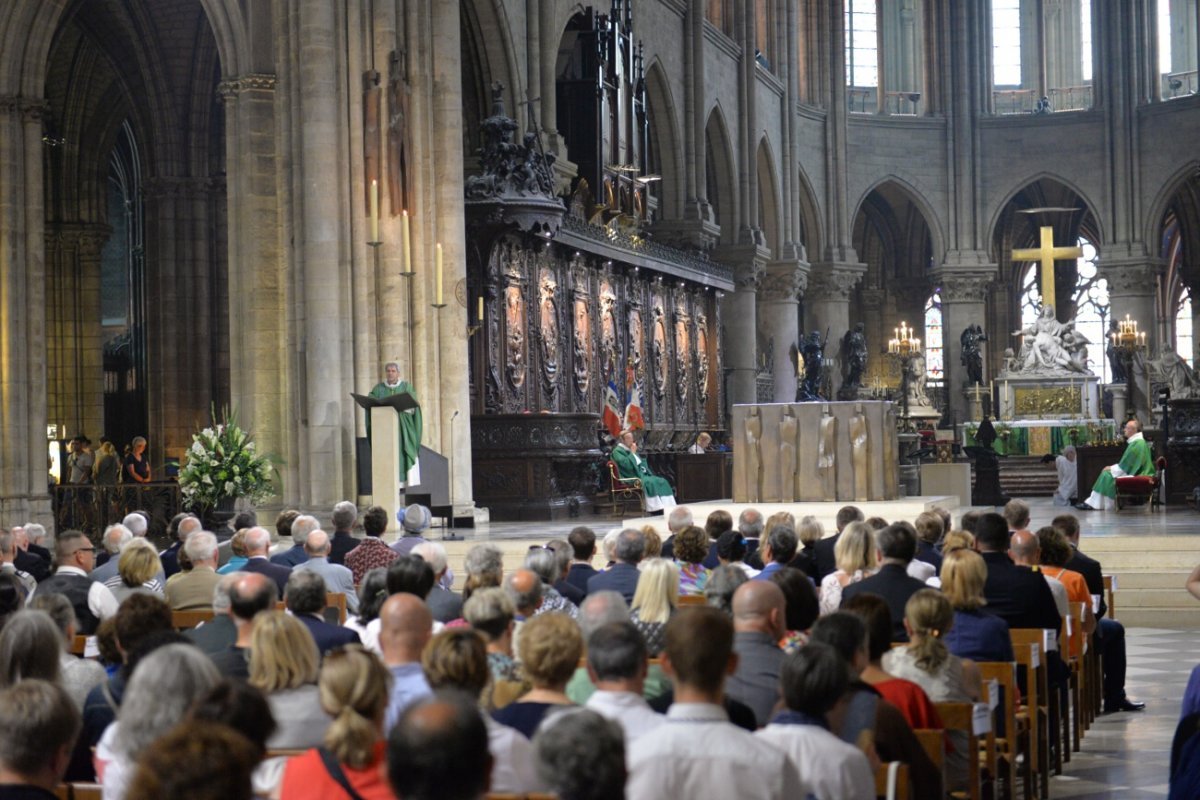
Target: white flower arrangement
x=222 y=463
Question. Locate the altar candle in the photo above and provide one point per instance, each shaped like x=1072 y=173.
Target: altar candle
x=405 y=243
x=374 y=210
x=480 y=316
x=437 y=275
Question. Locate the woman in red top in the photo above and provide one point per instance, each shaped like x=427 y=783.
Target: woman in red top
x=905 y=695
x=354 y=691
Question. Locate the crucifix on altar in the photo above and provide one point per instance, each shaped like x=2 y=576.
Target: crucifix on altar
x=1046 y=254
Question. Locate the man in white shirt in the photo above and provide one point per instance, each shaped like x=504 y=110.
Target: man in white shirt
x=698 y=752
x=617 y=664
x=814 y=683
x=93 y=601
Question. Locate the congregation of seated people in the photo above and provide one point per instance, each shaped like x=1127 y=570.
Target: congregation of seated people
x=749 y=657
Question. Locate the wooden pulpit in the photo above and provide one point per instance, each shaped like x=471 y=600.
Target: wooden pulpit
x=386 y=462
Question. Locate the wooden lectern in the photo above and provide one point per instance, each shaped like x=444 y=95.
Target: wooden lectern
x=386 y=463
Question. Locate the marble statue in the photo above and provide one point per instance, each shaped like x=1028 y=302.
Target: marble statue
x=753 y=435
x=854 y=362
x=1050 y=347
x=813 y=351
x=859 y=443
x=1172 y=370
x=787 y=456
x=827 y=455
x=916 y=381
x=972 y=353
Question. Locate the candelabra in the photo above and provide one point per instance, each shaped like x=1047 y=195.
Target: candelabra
x=904 y=347
x=1128 y=342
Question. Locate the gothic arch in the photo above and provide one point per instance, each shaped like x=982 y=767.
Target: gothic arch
x=810 y=216
x=488 y=58
x=664 y=133
x=897 y=187
x=1050 y=188
x=769 y=199
x=720 y=187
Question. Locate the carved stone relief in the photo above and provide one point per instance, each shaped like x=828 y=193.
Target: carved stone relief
x=682 y=350
x=548 y=303
x=660 y=344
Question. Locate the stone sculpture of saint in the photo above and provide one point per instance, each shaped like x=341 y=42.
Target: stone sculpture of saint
x=859 y=444
x=827 y=455
x=753 y=437
x=787 y=456
x=972 y=353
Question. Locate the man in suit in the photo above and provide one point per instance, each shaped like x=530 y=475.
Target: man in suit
x=338 y=579
x=249 y=595
x=295 y=555
x=220 y=633
x=678 y=520
x=305 y=598
x=194 y=590
x=824 y=548
x=1018 y=595
x=583 y=550
x=896 y=544
x=258 y=542
x=28 y=560
x=622 y=577
x=778 y=551
x=1110 y=633
x=345 y=514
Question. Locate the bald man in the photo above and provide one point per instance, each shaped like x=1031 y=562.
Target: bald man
x=439 y=750
x=1024 y=550
x=759 y=613
x=250 y=594
x=338 y=579
x=405 y=625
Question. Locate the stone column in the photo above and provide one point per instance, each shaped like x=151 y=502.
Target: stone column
x=22 y=326
x=964 y=296
x=454 y=432
x=779 y=303
x=741 y=325
x=1131 y=288
x=827 y=302
x=260 y=386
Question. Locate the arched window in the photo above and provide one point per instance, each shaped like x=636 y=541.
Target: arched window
x=1041 y=56
x=1177 y=48
x=1091 y=306
x=935 y=362
x=1184 y=343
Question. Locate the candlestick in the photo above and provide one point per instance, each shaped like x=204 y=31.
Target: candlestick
x=437 y=276
x=374 y=210
x=480 y=305
x=405 y=244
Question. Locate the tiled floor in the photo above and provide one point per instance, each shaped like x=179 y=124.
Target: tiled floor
x=1127 y=755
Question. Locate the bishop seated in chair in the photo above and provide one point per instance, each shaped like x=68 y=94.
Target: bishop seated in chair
x=1137 y=460
x=659 y=494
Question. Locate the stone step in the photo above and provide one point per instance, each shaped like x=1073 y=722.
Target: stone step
x=1168 y=618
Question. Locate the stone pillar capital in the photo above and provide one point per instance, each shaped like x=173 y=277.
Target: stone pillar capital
x=1131 y=277
x=784 y=281
x=230 y=88
x=964 y=287
x=835 y=280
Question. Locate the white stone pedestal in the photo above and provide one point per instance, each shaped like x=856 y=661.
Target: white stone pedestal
x=1120 y=394
x=385 y=462
x=947 y=479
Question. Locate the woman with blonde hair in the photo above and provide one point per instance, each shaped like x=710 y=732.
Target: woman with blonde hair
x=927 y=662
x=354 y=690
x=283 y=663
x=137 y=569
x=957 y=540
x=654 y=602
x=653 y=543
x=856 y=558
x=107 y=468
x=975 y=633
x=550 y=646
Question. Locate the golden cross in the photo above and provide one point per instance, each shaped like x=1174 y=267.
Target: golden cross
x=1046 y=253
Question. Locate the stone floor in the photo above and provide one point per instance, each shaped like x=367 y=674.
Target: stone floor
x=1127 y=755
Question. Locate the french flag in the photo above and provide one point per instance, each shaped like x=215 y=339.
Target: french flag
x=612 y=410
x=633 y=410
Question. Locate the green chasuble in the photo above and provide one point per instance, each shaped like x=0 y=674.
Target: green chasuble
x=630 y=465
x=1137 y=460
x=410 y=424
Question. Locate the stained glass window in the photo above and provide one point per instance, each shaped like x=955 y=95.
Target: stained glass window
x=935 y=364
x=1092 y=310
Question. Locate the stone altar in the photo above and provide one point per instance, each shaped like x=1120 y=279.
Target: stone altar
x=841 y=451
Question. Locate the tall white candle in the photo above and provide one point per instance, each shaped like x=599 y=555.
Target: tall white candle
x=437 y=275
x=374 y=210
x=405 y=242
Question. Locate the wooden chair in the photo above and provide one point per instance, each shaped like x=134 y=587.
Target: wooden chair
x=933 y=741
x=1016 y=739
x=624 y=490
x=78 y=645
x=186 y=620
x=692 y=600
x=892 y=781
x=336 y=600
x=1027 y=647
x=86 y=791
x=960 y=718
x=1109 y=597
x=63 y=791
x=1140 y=487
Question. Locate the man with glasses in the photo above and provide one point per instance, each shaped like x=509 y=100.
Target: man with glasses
x=93 y=601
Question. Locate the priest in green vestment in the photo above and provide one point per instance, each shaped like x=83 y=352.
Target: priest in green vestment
x=1137 y=460
x=410 y=421
x=659 y=494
